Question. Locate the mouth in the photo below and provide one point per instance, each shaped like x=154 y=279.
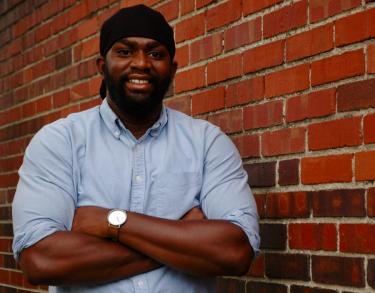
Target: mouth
x=134 y=84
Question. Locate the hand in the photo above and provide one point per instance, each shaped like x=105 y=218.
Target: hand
x=91 y=220
x=194 y=214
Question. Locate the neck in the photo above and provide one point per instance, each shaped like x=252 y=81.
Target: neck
x=136 y=125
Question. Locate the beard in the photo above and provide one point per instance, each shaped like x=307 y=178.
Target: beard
x=136 y=105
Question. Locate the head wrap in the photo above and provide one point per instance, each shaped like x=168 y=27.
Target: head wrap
x=135 y=21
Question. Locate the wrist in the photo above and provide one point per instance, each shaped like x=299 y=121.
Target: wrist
x=116 y=218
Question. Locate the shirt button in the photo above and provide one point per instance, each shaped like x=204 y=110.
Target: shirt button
x=141 y=284
x=138 y=178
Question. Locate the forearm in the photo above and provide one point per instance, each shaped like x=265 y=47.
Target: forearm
x=205 y=247
x=70 y=258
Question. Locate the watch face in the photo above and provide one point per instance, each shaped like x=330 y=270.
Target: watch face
x=117 y=217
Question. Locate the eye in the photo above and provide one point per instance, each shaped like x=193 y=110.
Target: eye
x=156 y=54
x=124 y=52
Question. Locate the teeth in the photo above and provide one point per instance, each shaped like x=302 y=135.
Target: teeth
x=138 y=81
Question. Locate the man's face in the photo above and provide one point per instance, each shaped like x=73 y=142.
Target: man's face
x=138 y=72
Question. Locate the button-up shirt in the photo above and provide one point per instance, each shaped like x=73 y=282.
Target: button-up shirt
x=90 y=158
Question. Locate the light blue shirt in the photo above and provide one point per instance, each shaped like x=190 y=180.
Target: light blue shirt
x=90 y=158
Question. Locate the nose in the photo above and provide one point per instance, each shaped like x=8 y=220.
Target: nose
x=140 y=60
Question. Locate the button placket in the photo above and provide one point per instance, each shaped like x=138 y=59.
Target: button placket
x=138 y=180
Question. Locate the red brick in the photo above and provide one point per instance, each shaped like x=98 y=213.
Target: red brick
x=87 y=28
x=371 y=202
x=245 y=91
x=265 y=287
x=356 y=95
x=182 y=56
x=338 y=67
x=207 y=101
x=223 y=14
x=294 y=266
x=326 y=169
x=260 y=200
x=371 y=58
x=321 y=9
x=229 y=121
x=224 y=68
x=86 y=49
x=310 y=43
x=289 y=172
x=345 y=271
x=170 y=9
x=190 y=28
x=336 y=133
x=303 y=289
x=364 y=166
x=201 y=3
x=247 y=145
x=285 y=19
x=28 y=110
x=182 y=104
x=283 y=141
x=186 y=6
x=357 y=238
x=312 y=236
x=44 y=104
x=261 y=174
x=315 y=104
x=190 y=79
x=287 y=81
x=263 y=115
x=206 y=48
x=265 y=56
x=355 y=27
x=257 y=267
x=251 y=6
x=371 y=273
x=273 y=236
x=80 y=91
x=288 y=205
x=42 y=32
x=230 y=285
x=243 y=34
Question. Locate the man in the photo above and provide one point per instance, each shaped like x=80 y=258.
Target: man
x=132 y=196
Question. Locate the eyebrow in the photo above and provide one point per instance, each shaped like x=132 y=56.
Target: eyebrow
x=150 y=45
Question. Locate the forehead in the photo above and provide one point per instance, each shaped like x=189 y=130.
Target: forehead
x=140 y=42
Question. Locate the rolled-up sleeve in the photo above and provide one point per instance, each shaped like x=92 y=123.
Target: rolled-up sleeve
x=225 y=192
x=45 y=197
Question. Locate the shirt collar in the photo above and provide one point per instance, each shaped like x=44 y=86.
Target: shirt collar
x=115 y=126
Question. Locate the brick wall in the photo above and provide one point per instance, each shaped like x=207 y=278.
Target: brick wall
x=291 y=82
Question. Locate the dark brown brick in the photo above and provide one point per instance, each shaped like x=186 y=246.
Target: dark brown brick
x=9 y=262
x=288 y=205
x=63 y=59
x=4 y=289
x=261 y=174
x=288 y=172
x=303 y=289
x=356 y=95
x=273 y=236
x=287 y=266
x=258 y=287
x=371 y=202
x=339 y=203
x=371 y=273
x=230 y=286
x=345 y=271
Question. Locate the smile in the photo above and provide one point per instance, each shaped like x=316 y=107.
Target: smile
x=138 y=81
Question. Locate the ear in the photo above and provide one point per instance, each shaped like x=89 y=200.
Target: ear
x=100 y=64
x=173 y=68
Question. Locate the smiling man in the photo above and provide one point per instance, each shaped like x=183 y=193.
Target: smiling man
x=131 y=196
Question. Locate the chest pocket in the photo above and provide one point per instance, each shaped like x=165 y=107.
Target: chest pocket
x=176 y=193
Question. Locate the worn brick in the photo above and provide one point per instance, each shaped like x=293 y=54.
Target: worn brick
x=347 y=132
x=355 y=27
x=273 y=236
x=247 y=145
x=229 y=121
x=289 y=141
x=243 y=34
x=205 y=48
x=190 y=79
x=207 y=101
x=323 y=9
x=287 y=81
x=190 y=28
x=285 y=19
x=288 y=205
x=312 y=236
x=182 y=56
x=356 y=95
x=310 y=43
x=303 y=289
x=224 y=13
x=371 y=58
x=170 y=9
x=257 y=267
x=263 y=115
x=288 y=172
x=364 y=166
x=182 y=104
x=371 y=202
x=261 y=174
x=325 y=169
x=230 y=285
x=355 y=238
x=266 y=287
x=315 y=104
x=264 y=56
x=345 y=271
x=245 y=91
x=294 y=266
x=224 y=68
x=251 y=6
x=338 y=67
x=339 y=203
x=371 y=273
